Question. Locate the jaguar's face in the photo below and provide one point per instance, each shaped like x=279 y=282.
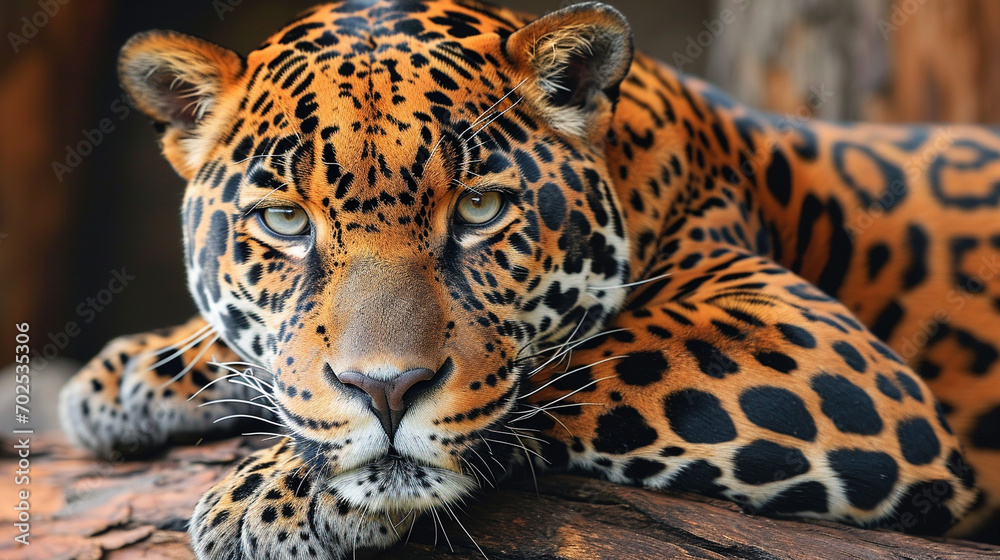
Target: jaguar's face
x=394 y=230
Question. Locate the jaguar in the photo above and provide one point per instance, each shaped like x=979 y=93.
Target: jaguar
x=435 y=243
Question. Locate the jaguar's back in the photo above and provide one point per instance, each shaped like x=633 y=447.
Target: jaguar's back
x=899 y=223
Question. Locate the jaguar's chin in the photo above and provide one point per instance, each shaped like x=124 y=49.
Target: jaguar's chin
x=399 y=484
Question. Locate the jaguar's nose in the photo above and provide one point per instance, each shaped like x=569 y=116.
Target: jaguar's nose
x=387 y=395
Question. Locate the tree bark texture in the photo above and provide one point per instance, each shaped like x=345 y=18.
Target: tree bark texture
x=88 y=509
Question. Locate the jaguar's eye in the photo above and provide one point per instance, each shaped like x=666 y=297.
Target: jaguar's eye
x=286 y=220
x=480 y=208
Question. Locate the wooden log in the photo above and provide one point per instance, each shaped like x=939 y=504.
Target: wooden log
x=83 y=508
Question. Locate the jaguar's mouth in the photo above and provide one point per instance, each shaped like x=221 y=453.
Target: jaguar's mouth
x=395 y=483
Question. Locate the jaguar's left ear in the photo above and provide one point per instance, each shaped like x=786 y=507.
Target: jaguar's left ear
x=578 y=57
x=177 y=80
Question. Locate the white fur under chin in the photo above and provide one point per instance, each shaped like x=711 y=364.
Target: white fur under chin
x=400 y=485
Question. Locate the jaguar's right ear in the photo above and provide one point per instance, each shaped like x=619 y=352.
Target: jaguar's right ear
x=577 y=58
x=177 y=81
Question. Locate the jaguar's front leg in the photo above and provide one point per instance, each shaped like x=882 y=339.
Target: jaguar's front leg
x=742 y=381
x=145 y=390
x=279 y=504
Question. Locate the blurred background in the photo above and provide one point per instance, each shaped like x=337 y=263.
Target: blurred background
x=90 y=244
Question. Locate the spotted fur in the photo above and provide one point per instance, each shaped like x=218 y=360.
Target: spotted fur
x=678 y=292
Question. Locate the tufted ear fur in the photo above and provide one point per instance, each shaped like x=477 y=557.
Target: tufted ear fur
x=578 y=57
x=177 y=81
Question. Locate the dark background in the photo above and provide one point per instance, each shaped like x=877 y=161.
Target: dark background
x=61 y=237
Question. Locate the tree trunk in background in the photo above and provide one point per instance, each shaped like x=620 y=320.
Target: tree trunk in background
x=871 y=60
x=945 y=65
x=47 y=80
x=815 y=58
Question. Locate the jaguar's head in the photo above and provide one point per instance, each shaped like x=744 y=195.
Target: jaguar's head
x=393 y=211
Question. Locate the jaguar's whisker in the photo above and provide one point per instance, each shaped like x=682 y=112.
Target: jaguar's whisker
x=563 y=375
x=304 y=478
x=630 y=284
x=188 y=343
x=585 y=387
x=248 y=380
x=575 y=344
x=259 y=202
x=479 y=473
x=219 y=401
x=451 y=513
x=525 y=449
x=513 y=434
x=217 y=420
x=257 y=156
x=556 y=358
x=409 y=533
x=444 y=533
x=251 y=366
x=466 y=187
x=199 y=332
x=531 y=464
x=427 y=162
x=499 y=101
x=541 y=410
x=485 y=465
x=213 y=382
x=434 y=521
x=271 y=434
x=191 y=365
x=497 y=116
x=490 y=448
x=546 y=409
